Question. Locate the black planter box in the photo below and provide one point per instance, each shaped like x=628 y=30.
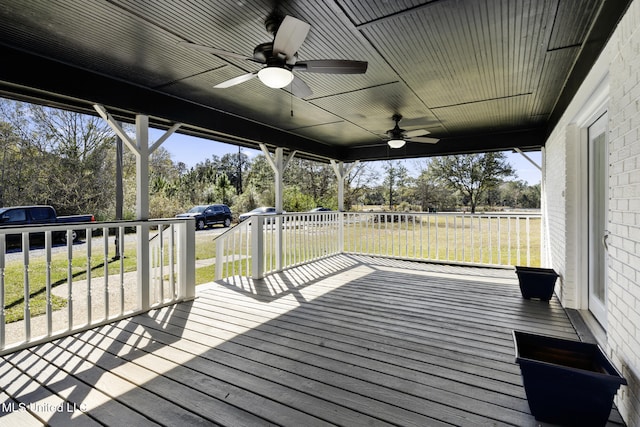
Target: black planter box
x=567 y=382
x=536 y=282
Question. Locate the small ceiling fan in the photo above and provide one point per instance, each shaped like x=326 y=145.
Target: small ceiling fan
x=397 y=137
x=280 y=57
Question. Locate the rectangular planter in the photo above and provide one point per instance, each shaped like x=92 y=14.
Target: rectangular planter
x=536 y=282
x=567 y=382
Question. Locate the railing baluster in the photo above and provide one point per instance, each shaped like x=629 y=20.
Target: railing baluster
x=89 y=305
x=509 y=233
x=446 y=218
x=437 y=218
x=3 y=314
x=528 y=229
x=161 y=262
x=481 y=251
x=430 y=238
x=464 y=243
x=172 y=281
x=500 y=241
x=49 y=310
x=105 y=241
x=121 y=234
x=25 y=282
x=490 y=242
x=518 y=237
x=455 y=237
x=472 y=239
x=231 y=267
x=406 y=235
x=69 y=280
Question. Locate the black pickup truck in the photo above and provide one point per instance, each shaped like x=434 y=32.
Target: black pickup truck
x=17 y=216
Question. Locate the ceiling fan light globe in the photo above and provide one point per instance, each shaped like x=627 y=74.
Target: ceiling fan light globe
x=275 y=77
x=396 y=143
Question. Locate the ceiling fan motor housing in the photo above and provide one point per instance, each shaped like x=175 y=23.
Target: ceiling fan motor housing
x=263 y=53
x=396 y=132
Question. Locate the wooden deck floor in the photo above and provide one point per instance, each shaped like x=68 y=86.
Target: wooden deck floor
x=349 y=341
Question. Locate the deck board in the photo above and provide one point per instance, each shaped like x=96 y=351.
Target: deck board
x=347 y=340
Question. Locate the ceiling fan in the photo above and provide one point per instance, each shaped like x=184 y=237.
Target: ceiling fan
x=280 y=57
x=397 y=138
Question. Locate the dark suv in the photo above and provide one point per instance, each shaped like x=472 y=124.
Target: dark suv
x=207 y=215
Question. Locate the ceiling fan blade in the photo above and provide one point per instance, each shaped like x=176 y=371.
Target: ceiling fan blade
x=236 y=80
x=290 y=36
x=300 y=88
x=423 y=139
x=332 y=66
x=213 y=50
x=417 y=132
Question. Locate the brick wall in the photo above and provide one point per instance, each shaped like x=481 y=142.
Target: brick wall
x=555 y=208
x=620 y=62
x=623 y=332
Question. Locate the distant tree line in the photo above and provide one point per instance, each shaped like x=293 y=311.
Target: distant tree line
x=66 y=159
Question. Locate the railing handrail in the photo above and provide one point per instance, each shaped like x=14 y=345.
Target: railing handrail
x=441 y=213
x=39 y=228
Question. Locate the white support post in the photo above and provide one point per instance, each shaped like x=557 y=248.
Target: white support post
x=142 y=211
x=257 y=247
x=186 y=259
x=142 y=149
x=341 y=175
x=142 y=168
x=278 y=163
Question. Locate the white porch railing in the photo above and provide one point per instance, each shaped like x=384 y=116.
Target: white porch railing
x=50 y=289
x=283 y=241
x=487 y=239
x=291 y=239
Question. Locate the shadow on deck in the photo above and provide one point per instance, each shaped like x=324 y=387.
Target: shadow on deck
x=346 y=340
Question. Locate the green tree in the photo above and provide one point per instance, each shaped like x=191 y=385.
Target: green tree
x=471 y=174
x=22 y=178
x=430 y=194
x=234 y=166
x=59 y=157
x=395 y=182
x=260 y=180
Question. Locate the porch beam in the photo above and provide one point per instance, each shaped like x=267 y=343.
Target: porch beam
x=164 y=137
x=517 y=150
x=116 y=127
x=278 y=163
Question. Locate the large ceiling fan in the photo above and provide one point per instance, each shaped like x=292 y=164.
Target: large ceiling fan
x=397 y=138
x=280 y=58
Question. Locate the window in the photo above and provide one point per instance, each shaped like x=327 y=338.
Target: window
x=40 y=214
x=15 y=215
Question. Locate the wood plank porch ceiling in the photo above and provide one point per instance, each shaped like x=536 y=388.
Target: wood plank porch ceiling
x=343 y=341
x=481 y=75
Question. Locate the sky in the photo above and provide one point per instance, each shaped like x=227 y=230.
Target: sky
x=191 y=150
